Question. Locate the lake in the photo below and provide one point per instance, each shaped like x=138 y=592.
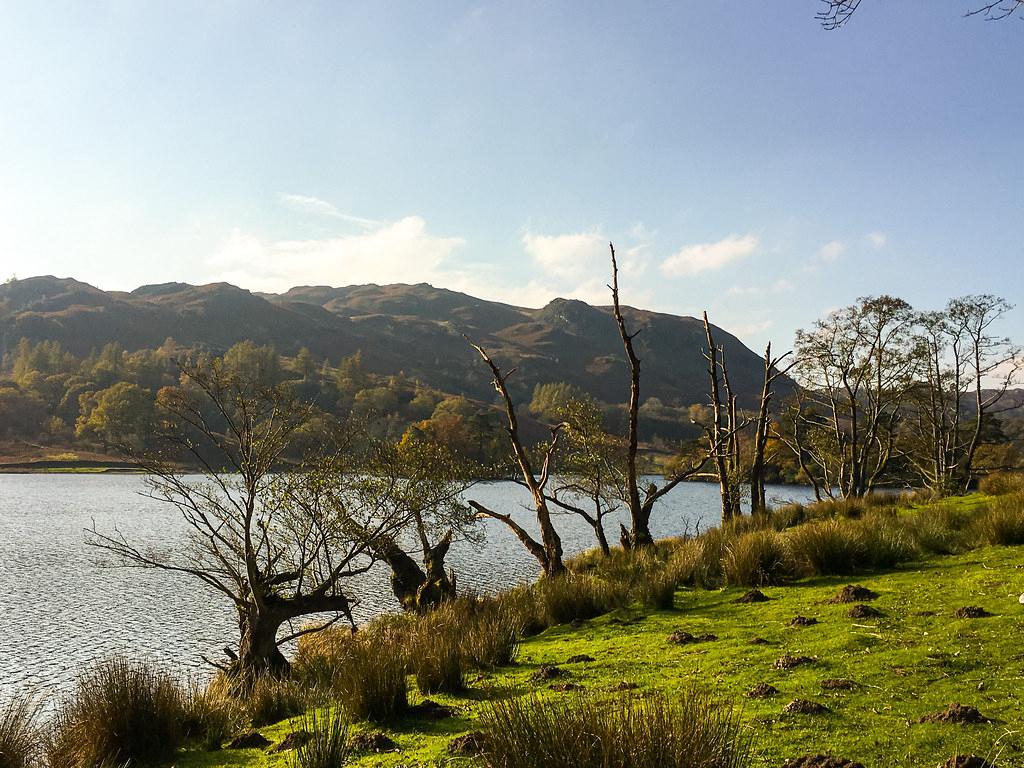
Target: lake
x=63 y=604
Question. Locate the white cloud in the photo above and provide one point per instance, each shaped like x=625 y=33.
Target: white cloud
x=878 y=240
x=315 y=205
x=571 y=256
x=402 y=251
x=831 y=250
x=702 y=257
x=749 y=329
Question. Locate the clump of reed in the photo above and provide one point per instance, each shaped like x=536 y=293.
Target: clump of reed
x=211 y=714
x=121 y=712
x=328 y=744
x=757 y=559
x=434 y=647
x=19 y=734
x=827 y=547
x=1001 y=483
x=269 y=699
x=685 y=730
x=1001 y=522
x=577 y=597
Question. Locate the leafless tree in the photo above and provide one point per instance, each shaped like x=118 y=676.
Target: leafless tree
x=762 y=429
x=279 y=545
x=547 y=551
x=836 y=13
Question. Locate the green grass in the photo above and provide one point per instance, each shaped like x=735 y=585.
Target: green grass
x=914 y=660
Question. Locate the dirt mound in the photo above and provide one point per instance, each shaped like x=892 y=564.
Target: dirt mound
x=862 y=611
x=471 y=743
x=788 y=662
x=680 y=637
x=758 y=641
x=372 y=742
x=838 y=684
x=804 y=707
x=431 y=710
x=821 y=761
x=956 y=713
x=563 y=687
x=853 y=593
x=579 y=658
x=761 y=691
x=549 y=672
x=753 y=596
x=967 y=761
x=971 y=612
x=625 y=685
x=293 y=740
x=803 y=621
x=249 y=740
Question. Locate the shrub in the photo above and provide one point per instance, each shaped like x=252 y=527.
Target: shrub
x=757 y=559
x=587 y=732
x=327 y=746
x=121 y=712
x=19 y=739
x=826 y=547
x=1002 y=522
x=211 y=714
x=1001 y=483
x=572 y=597
x=435 y=651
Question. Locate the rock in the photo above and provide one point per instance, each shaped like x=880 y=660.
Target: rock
x=579 y=658
x=250 y=740
x=956 y=713
x=821 y=761
x=761 y=691
x=788 y=662
x=971 y=612
x=804 y=707
x=853 y=593
x=471 y=743
x=372 y=742
x=293 y=740
x=863 y=612
x=753 y=596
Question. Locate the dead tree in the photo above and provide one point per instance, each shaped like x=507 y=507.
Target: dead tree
x=723 y=433
x=836 y=13
x=758 y=504
x=547 y=551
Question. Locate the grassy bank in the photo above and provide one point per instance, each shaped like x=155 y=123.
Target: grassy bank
x=907 y=663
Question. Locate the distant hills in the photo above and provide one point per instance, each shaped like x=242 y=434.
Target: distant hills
x=415 y=329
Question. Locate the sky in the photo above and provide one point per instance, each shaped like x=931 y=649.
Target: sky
x=742 y=159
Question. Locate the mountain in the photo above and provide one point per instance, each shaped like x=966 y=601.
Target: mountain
x=415 y=329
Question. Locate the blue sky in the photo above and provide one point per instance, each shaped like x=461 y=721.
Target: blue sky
x=743 y=160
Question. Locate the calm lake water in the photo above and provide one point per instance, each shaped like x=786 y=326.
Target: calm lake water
x=62 y=605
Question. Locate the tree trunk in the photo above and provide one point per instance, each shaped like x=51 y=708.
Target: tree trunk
x=258 y=653
x=417 y=589
x=437 y=585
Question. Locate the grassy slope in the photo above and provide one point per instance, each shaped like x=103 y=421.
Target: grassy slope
x=914 y=660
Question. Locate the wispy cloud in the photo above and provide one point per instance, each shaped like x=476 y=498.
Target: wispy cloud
x=878 y=240
x=703 y=257
x=316 y=206
x=831 y=251
x=779 y=286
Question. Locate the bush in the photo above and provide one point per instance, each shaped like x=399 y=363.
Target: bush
x=121 y=712
x=588 y=732
x=328 y=744
x=19 y=739
x=1002 y=522
x=1001 y=483
x=757 y=559
x=211 y=714
x=827 y=547
x=573 y=597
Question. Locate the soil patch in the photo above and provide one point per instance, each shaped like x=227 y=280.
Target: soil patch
x=956 y=713
x=372 y=742
x=431 y=710
x=625 y=685
x=679 y=637
x=471 y=743
x=853 y=593
x=803 y=621
x=761 y=691
x=971 y=612
x=804 y=707
x=563 y=687
x=821 y=761
x=838 y=684
x=579 y=658
x=549 y=672
x=293 y=740
x=250 y=740
x=758 y=641
x=862 y=611
x=967 y=761
x=753 y=596
x=788 y=662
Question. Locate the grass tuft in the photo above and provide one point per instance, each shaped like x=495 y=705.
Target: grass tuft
x=19 y=737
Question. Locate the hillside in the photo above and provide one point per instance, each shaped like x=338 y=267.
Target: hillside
x=416 y=329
